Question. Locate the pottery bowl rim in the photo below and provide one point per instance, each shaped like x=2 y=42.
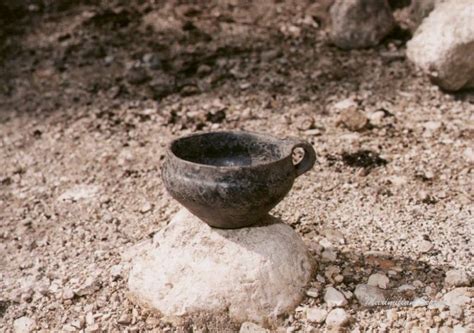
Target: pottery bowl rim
x=286 y=143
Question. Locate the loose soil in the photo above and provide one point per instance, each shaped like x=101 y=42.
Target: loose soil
x=91 y=93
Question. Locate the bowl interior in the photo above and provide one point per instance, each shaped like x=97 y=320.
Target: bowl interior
x=227 y=149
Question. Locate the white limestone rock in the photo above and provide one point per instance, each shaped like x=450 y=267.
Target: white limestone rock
x=255 y=274
x=443 y=46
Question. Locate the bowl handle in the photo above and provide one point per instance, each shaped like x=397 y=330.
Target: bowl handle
x=308 y=159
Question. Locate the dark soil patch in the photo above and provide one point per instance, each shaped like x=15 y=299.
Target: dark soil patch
x=363 y=159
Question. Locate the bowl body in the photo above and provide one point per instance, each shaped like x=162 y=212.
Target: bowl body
x=232 y=179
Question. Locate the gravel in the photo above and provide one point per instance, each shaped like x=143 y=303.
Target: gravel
x=81 y=149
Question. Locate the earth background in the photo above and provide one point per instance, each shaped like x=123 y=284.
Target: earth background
x=91 y=92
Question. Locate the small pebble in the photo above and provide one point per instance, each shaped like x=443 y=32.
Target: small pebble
x=419 y=302
x=378 y=280
x=457 y=278
x=345 y=104
x=369 y=295
x=92 y=328
x=334 y=297
x=406 y=287
x=109 y=59
x=432 y=125
x=376 y=117
x=269 y=55
x=331 y=271
x=337 y=318
x=79 y=323
x=146 y=207
x=456 y=312
x=329 y=255
x=353 y=119
x=90 y=319
x=469 y=154
x=392 y=315
x=418 y=284
x=312 y=292
x=316 y=315
x=325 y=243
x=458 y=297
x=124 y=319
x=116 y=271
x=424 y=246
x=152 y=60
x=68 y=294
x=305 y=123
x=27 y=296
x=339 y=278
x=43 y=289
x=69 y=328
x=460 y=329
x=334 y=236
x=24 y=325
x=89 y=286
x=249 y=327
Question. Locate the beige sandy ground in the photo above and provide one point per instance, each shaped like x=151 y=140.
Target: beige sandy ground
x=82 y=137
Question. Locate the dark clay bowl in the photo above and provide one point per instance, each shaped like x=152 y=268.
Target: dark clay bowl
x=232 y=179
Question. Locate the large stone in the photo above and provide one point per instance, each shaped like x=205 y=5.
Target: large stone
x=254 y=274
x=443 y=46
x=360 y=23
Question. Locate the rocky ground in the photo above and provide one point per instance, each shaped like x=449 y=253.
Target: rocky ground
x=90 y=94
